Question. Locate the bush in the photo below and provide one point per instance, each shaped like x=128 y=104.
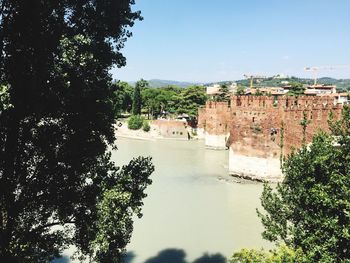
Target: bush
x=280 y=254
x=135 y=122
x=146 y=127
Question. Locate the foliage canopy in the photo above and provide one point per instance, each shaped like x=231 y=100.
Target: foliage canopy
x=224 y=93
x=137 y=101
x=58 y=185
x=135 y=122
x=310 y=209
x=282 y=254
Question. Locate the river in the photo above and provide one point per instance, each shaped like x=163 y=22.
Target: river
x=193 y=207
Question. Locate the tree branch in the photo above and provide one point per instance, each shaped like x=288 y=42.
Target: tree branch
x=52 y=224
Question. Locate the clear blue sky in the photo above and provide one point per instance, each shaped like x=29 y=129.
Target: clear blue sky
x=207 y=40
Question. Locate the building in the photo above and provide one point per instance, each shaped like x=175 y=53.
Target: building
x=215 y=89
x=320 y=89
x=339 y=98
x=274 y=91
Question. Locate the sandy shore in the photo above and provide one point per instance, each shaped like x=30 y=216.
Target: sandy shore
x=152 y=135
x=122 y=130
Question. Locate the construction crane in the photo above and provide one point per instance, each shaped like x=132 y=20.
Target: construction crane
x=252 y=77
x=316 y=69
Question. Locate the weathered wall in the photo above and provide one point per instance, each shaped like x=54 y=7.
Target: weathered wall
x=262 y=128
x=171 y=128
x=217 y=142
x=253 y=167
x=214 y=119
x=316 y=110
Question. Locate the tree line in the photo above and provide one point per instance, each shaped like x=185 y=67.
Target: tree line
x=156 y=102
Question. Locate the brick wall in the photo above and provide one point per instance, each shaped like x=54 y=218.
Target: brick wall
x=255 y=122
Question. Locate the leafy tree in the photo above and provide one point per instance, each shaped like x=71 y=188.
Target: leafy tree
x=4 y=98
x=191 y=99
x=240 y=90
x=173 y=88
x=310 y=209
x=137 y=101
x=282 y=254
x=258 y=92
x=296 y=88
x=149 y=100
x=224 y=93
x=166 y=99
x=123 y=97
x=174 y=98
x=58 y=185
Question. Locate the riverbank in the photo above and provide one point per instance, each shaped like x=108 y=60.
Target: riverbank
x=160 y=129
x=122 y=130
x=237 y=175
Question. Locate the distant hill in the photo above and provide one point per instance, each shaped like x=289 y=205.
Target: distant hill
x=342 y=84
x=157 y=83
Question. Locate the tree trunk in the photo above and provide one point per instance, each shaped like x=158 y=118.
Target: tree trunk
x=8 y=181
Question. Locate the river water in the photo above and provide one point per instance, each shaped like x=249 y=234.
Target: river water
x=191 y=208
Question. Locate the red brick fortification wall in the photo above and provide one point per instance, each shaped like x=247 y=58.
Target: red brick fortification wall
x=257 y=124
x=214 y=124
x=316 y=110
x=254 y=141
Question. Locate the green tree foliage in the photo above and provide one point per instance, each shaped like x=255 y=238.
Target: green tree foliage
x=173 y=100
x=123 y=97
x=145 y=126
x=135 y=122
x=296 y=88
x=168 y=100
x=224 y=93
x=240 y=91
x=137 y=100
x=282 y=254
x=58 y=185
x=4 y=98
x=149 y=100
x=258 y=92
x=116 y=209
x=310 y=209
x=191 y=99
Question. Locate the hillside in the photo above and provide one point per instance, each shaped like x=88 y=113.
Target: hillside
x=158 y=83
x=342 y=84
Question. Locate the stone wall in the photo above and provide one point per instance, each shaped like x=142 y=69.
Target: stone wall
x=171 y=128
x=253 y=127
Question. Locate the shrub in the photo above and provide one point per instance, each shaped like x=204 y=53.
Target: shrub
x=135 y=122
x=280 y=254
x=146 y=127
